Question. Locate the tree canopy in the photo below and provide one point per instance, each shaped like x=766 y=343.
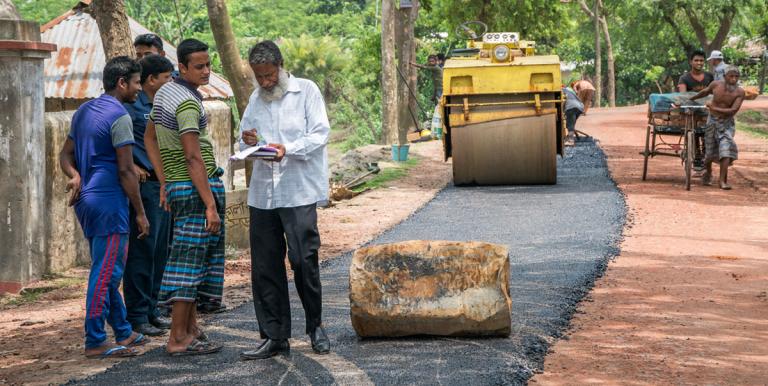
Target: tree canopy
x=337 y=42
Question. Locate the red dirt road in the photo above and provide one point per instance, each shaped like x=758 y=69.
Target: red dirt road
x=685 y=302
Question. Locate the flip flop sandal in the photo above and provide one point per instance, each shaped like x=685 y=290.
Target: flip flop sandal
x=197 y=348
x=202 y=337
x=115 y=352
x=140 y=340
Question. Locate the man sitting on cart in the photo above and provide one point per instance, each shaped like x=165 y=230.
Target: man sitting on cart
x=721 y=126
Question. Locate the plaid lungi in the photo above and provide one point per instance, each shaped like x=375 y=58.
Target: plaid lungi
x=195 y=268
x=718 y=139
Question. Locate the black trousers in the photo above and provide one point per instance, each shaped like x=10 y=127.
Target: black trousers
x=571 y=115
x=273 y=233
x=146 y=258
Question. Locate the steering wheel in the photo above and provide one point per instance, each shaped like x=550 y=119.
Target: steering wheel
x=466 y=30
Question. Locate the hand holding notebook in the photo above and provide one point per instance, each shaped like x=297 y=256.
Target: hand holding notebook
x=255 y=152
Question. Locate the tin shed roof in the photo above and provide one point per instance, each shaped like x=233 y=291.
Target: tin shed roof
x=75 y=70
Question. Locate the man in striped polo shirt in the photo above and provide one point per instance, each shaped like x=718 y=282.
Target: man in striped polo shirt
x=178 y=146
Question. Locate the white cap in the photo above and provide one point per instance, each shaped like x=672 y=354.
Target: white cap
x=715 y=55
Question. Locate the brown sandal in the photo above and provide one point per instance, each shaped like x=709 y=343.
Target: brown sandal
x=197 y=348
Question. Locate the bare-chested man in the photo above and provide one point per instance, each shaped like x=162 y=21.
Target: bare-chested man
x=726 y=101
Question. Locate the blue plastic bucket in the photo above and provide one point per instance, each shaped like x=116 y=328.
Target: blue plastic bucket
x=400 y=152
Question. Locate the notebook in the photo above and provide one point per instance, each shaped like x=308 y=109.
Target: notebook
x=254 y=152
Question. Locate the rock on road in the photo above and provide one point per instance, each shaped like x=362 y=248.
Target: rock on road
x=560 y=238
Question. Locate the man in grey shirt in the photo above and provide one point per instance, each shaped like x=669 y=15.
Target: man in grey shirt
x=717 y=64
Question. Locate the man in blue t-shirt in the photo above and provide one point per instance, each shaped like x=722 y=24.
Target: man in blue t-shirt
x=97 y=157
x=147 y=257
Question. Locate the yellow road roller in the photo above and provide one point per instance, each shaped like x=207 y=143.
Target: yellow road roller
x=502 y=111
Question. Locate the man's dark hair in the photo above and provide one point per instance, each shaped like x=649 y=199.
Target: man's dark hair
x=265 y=52
x=696 y=53
x=188 y=47
x=154 y=65
x=121 y=67
x=149 y=40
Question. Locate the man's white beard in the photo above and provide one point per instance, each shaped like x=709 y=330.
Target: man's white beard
x=278 y=90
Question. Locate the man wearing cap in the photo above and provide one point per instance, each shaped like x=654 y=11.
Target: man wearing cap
x=717 y=64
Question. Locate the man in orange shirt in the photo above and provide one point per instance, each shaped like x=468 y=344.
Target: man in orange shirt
x=586 y=91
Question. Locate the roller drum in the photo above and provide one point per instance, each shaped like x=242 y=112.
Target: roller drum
x=515 y=151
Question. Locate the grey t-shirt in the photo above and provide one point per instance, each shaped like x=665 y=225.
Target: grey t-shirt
x=122 y=131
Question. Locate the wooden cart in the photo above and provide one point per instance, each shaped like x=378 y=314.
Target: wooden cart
x=676 y=133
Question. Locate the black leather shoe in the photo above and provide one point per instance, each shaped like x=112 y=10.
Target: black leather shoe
x=211 y=308
x=160 y=322
x=320 y=342
x=148 y=329
x=268 y=349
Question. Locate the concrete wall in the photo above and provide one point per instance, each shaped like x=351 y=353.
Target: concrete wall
x=67 y=246
x=22 y=164
x=237 y=219
x=220 y=132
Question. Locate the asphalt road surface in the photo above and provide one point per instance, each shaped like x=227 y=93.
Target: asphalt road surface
x=560 y=238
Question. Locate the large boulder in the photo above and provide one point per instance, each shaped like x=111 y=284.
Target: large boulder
x=430 y=288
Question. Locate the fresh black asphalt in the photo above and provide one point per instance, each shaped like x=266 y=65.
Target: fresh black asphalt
x=560 y=238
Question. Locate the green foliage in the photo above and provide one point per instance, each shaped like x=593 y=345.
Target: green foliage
x=42 y=11
x=387 y=175
x=174 y=20
x=321 y=59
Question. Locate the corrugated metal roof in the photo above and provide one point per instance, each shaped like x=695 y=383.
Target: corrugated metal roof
x=75 y=70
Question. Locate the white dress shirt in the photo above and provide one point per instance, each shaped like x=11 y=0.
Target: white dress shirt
x=298 y=121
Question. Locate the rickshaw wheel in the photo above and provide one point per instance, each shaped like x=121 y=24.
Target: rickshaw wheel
x=647 y=151
x=690 y=149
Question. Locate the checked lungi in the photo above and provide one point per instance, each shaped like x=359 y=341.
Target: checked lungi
x=195 y=268
x=718 y=139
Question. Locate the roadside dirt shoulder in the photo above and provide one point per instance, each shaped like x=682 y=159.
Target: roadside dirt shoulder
x=42 y=343
x=685 y=302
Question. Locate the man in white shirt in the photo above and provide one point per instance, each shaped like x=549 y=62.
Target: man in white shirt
x=286 y=113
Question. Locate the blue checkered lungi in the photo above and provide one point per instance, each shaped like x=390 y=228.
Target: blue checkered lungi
x=195 y=268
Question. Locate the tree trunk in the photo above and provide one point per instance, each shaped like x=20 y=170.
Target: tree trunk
x=412 y=74
x=598 y=57
x=235 y=69
x=8 y=10
x=404 y=45
x=724 y=26
x=611 y=71
x=389 y=124
x=113 y=27
x=762 y=76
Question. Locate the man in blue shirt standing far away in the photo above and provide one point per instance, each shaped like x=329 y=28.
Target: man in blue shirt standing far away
x=147 y=257
x=97 y=157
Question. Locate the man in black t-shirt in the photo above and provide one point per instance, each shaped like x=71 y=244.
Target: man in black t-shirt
x=697 y=79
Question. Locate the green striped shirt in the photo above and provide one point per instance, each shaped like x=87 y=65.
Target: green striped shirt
x=176 y=111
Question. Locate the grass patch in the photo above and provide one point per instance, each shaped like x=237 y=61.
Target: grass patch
x=752 y=116
x=755 y=131
x=753 y=122
x=51 y=287
x=387 y=175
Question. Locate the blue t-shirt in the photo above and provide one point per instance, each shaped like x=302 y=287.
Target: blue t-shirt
x=99 y=127
x=139 y=112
